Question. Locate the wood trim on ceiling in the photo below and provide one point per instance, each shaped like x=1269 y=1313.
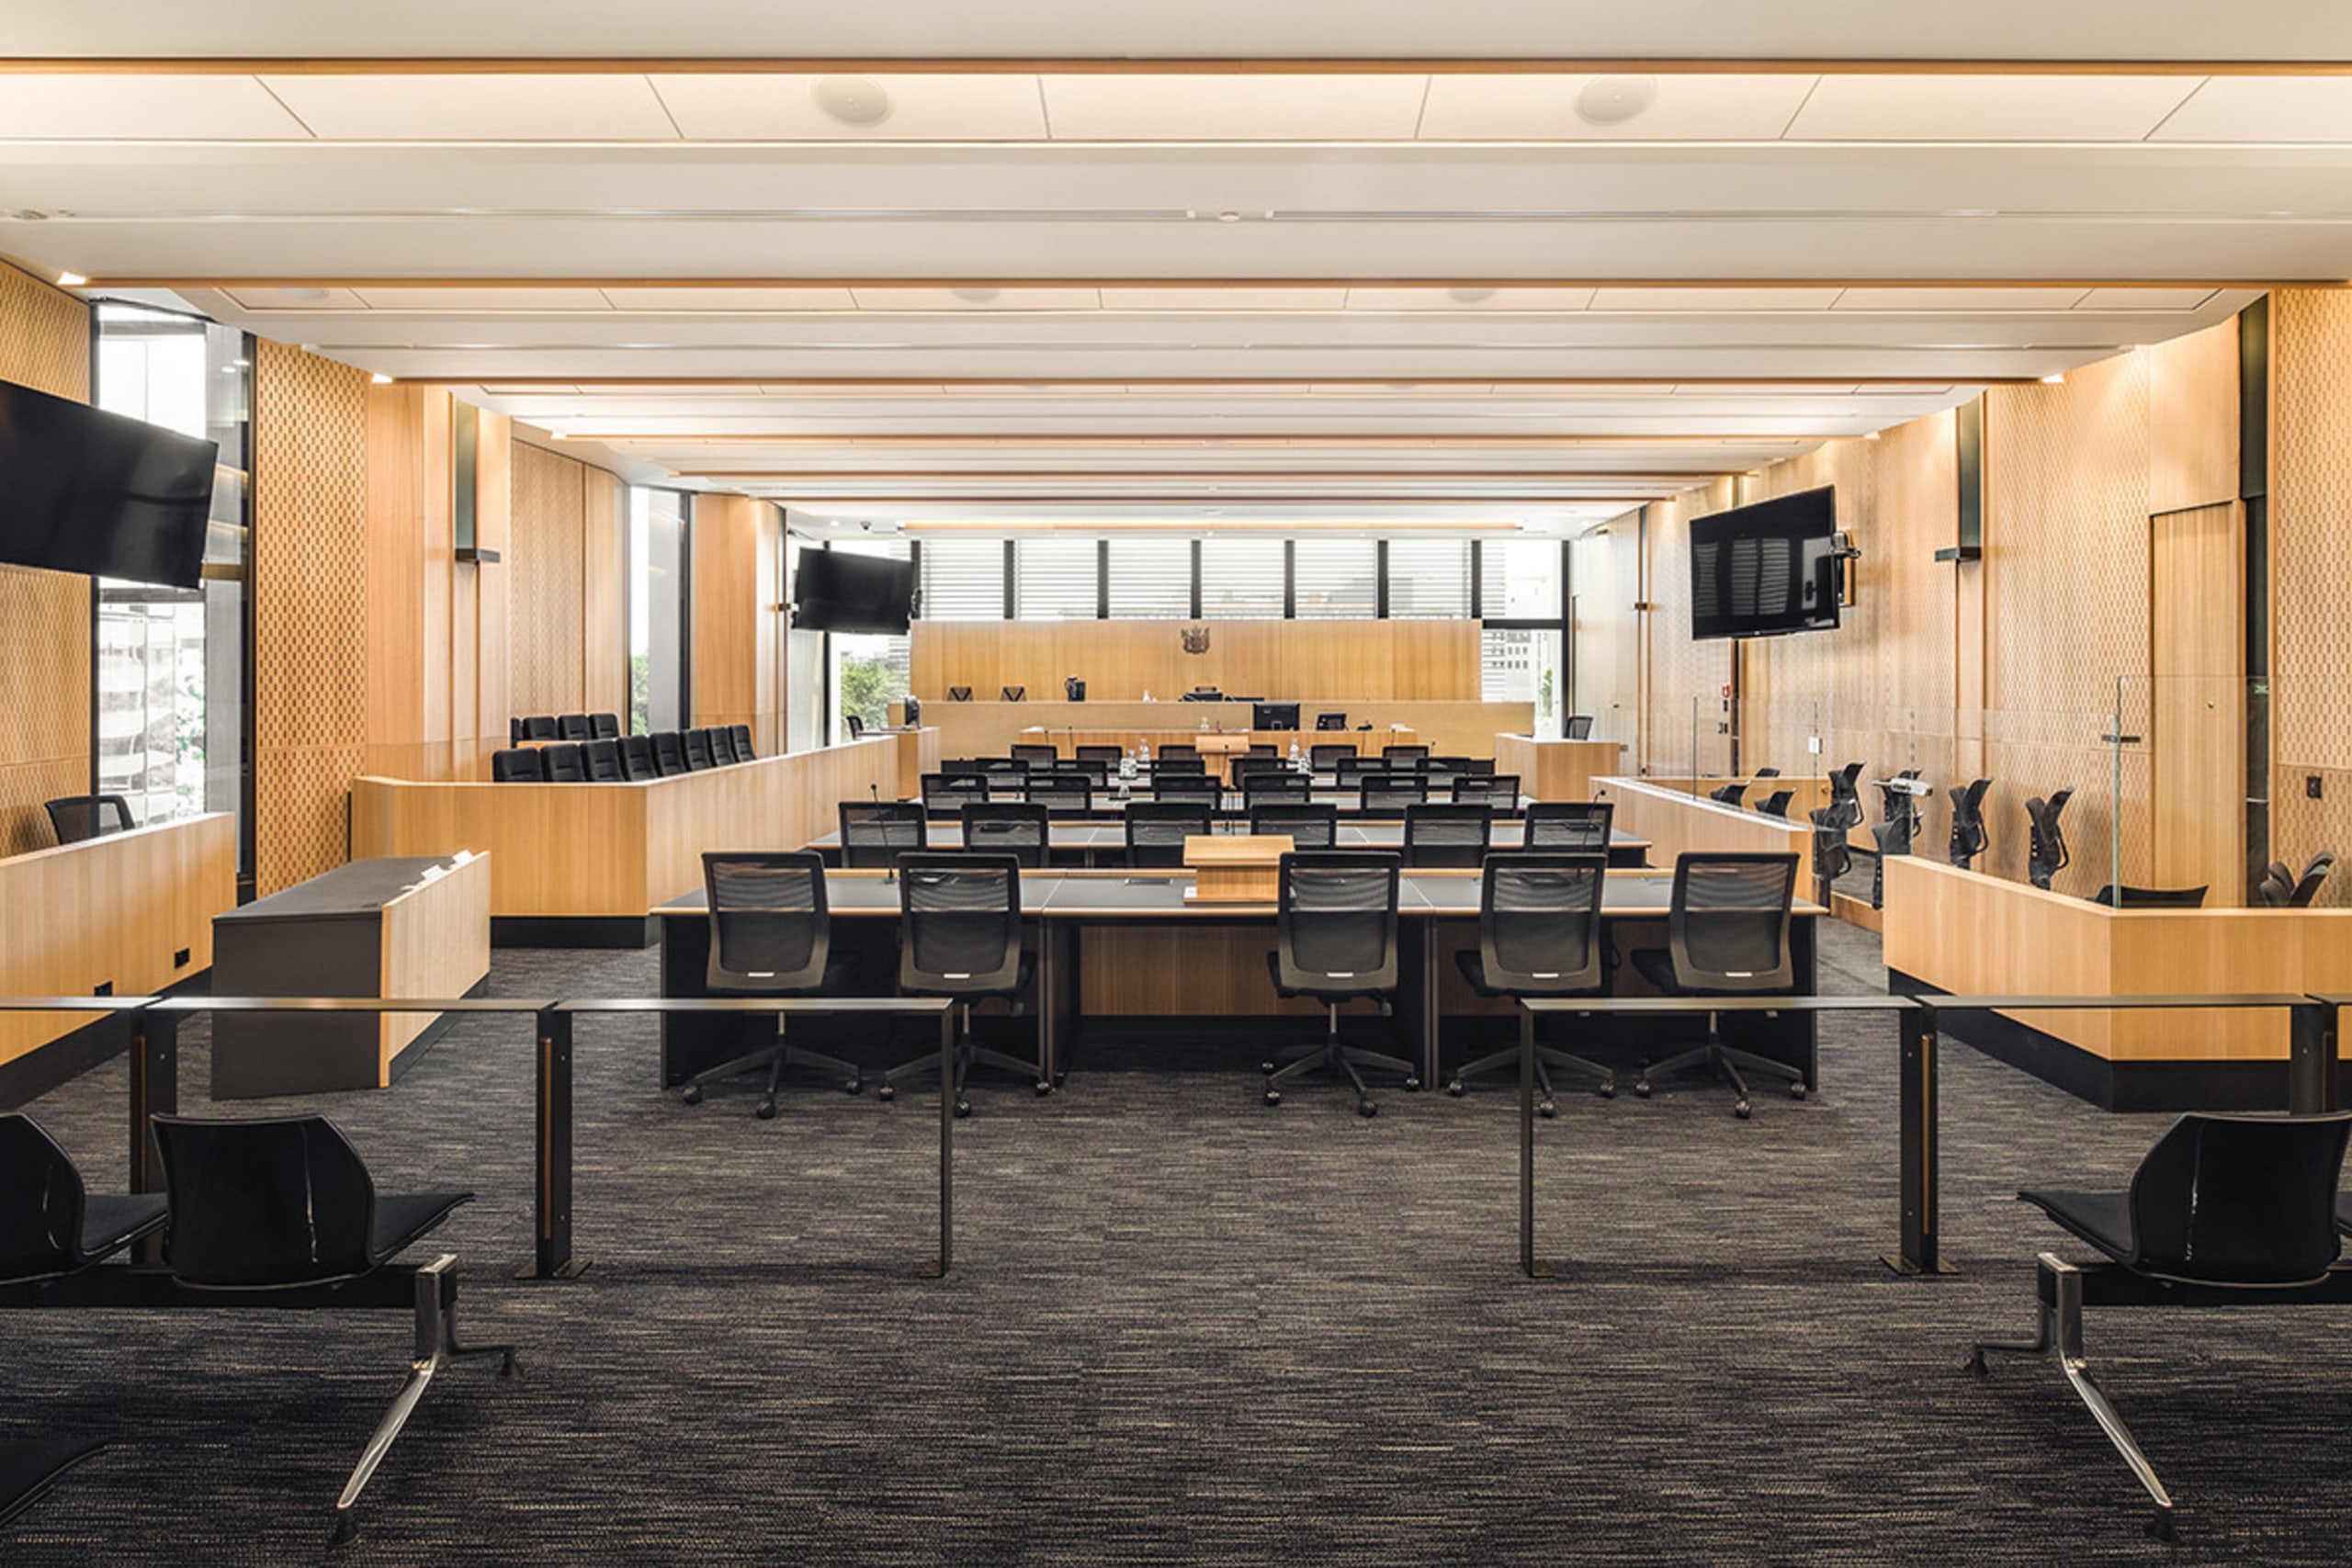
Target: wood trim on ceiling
x=1129 y=65
x=1401 y=385
x=1219 y=281
x=1203 y=443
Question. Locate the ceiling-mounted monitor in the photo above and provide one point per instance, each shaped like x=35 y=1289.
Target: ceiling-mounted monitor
x=1766 y=570
x=86 y=491
x=834 y=591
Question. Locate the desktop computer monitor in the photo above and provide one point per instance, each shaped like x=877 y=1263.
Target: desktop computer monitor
x=1274 y=716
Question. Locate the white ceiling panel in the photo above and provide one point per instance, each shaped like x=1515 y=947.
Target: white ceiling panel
x=761 y=108
x=494 y=302
x=1233 y=109
x=1224 y=298
x=751 y=300
x=1472 y=298
x=1988 y=109
x=477 y=108
x=188 y=109
x=2268 y=109
x=1975 y=301
x=1546 y=108
x=2174 y=300
x=297 y=299
x=1714 y=300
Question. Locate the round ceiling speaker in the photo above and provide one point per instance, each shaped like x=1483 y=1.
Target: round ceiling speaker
x=976 y=296
x=852 y=101
x=1613 y=100
x=1470 y=296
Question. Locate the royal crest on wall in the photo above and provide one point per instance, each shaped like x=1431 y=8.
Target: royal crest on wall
x=1196 y=638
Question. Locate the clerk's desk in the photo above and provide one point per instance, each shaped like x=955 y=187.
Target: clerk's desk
x=1091 y=843
x=1132 y=946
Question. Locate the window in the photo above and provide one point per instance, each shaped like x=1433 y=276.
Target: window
x=867 y=674
x=963 y=580
x=1336 y=579
x=1242 y=579
x=1428 y=578
x=1053 y=580
x=657 y=610
x=1519 y=579
x=172 y=701
x=804 y=667
x=1522 y=664
x=1151 y=580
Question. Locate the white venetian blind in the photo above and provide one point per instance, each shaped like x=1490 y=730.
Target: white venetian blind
x=1428 y=578
x=1241 y=579
x=1151 y=580
x=1053 y=580
x=1337 y=578
x=963 y=580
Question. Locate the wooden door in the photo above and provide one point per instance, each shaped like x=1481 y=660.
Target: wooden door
x=2197 y=709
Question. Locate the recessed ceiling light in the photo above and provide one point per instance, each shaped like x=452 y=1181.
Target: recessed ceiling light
x=852 y=101
x=71 y=280
x=976 y=296
x=380 y=379
x=306 y=294
x=1470 y=296
x=1613 y=100
x=2056 y=378
x=1228 y=218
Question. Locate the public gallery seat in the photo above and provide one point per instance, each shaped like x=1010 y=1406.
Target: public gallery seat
x=564 y=762
x=50 y=1224
x=519 y=764
x=74 y=817
x=1335 y=941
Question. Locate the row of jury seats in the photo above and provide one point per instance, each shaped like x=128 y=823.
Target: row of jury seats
x=1335 y=942
x=631 y=759
x=541 y=727
x=873 y=834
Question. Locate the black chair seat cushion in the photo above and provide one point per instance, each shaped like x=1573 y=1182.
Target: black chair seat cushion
x=1020 y=984
x=2102 y=1219
x=29 y=1468
x=401 y=1219
x=111 y=1222
x=1320 y=993
x=1473 y=964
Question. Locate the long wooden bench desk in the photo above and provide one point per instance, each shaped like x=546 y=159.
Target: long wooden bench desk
x=1674 y=821
x=1090 y=843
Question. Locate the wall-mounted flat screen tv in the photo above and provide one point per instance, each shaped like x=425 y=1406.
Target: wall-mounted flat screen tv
x=83 y=489
x=837 y=592
x=1766 y=569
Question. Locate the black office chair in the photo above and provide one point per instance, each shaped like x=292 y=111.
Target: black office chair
x=1156 y=831
x=564 y=763
x=2276 y=887
x=2130 y=898
x=287 y=1203
x=1326 y=758
x=1093 y=769
x=2046 y=846
x=2224 y=1212
x=516 y=735
x=1498 y=793
x=573 y=727
x=1176 y=752
x=1260 y=788
x=875 y=833
x=1016 y=693
x=605 y=725
x=1329 y=721
x=74 y=817
x=1335 y=935
x=1183 y=763
x=1777 y=803
x=1845 y=792
x=1260 y=750
x=1036 y=756
x=959 y=921
x=1893 y=839
x=1968 y=836
x=50 y=1224
x=771 y=935
x=1023 y=830
x=1255 y=760
x=1389 y=794
x=1447 y=836
x=1727 y=934
x=1730 y=794
x=701 y=751
x=1570 y=825
x=946 y=794
x=1354 y=765
x=1186 y=786
x=1113 y=755
x=1309 y=824
x=1062 y=794
x=1579 y=727
x=1404 y=753
x=637 y=765
x=540 y=726
x=603 y=761
x=855 y=724
x=1833 y=857
x=519 y=764
x=668 y=752
x=1539 y=935
x=740 y=736
x=2307 y=885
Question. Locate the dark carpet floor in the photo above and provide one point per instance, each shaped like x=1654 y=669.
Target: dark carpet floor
x=1185 y=1327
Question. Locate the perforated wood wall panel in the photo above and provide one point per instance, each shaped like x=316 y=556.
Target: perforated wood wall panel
x=44 y=616
x=1684 y=676
x=2310 y=527
x=310 y=608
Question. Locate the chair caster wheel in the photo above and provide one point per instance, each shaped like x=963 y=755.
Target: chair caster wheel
x=854 y=1085
x=1547 y=1109
x=1975 y=1364
x=1797 y=1091
x=346 y=1530
x=1267 y=1068
x=1607 y=1090
x=1273 y=1097
x=1741 y=1111
x=1060 y=1078
x=509 y=1368
x=765 y=1110
x=963 y=1109
x=1412 y=1085
x=1366 y=1108
x=692 y=1097
x=1044 y=1087
x=1457 y=1088
x=2161 y=1527
x=886 y=1094
x=1641 y=1089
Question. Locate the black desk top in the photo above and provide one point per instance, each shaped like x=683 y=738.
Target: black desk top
x=361 y=887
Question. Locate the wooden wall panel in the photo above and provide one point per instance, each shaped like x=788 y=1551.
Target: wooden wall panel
x=1121 y=660
x=545 y=575
x=735 y=623
x=2193 y=413
x=2197 y=734
x=603 y=671
x=2310 y=502
x=44 y=616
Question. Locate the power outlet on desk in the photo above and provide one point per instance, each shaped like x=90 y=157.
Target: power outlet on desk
x=2311 y=787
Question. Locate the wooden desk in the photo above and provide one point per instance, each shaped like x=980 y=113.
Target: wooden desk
x=1674 y=822
x=129 y=911
x=1955 y=930
x=1217 y=747
x=919 y=754
x=1090 y=843
x=1556 y=770
x=1448 y=728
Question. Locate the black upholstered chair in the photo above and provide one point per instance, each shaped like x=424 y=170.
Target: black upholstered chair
x=518 y=764
x=1968 y=836
x=855 y=724
x=875 y=833
x=1309 y=824
x=1156 y=831
x=2046 y=846
x=1335 y=941
x=637 y=765
x=1845 y=793
x=287 y=1204
x=1539 y=935
x=573 y=727
x=2232 y=1210
x=605 y=725
x=1013 y=694
x=1730 y=794
x=668 y=752
x=73 y=818
x=541 y=726
x=959 y=935
x=1439 y=836
x=771 y=935
x=603 y=761
x=1833 y=857
x=29 y=1468
x=515 y=733
x=1727 y=934
x=959 y=694
x=1579 y=727
x=564 y=762
x=1570 y=825
x=1498 y=793
x=1389 y=794
x=2315 y=875
x=2129 y=897
x=699 y=758
x=740 y=737
x=50 y=1224
x=1019 y=828
x=1777 y=803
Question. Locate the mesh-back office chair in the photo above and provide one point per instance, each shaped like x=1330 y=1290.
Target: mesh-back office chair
x=2130 y=898
x=740 y=736
x=1727 y=934
x=1579 y=727
x=1062 y=795
x=1176 y=752
x=605 y=725
x=1036 y=756
x=564 y=763
x=1570 y=825
x=1093 y=769
x=1479 y=767
x=1258 y=788
x=574 y=727
x=1833 y=857
x=771 y=935
x=1893 y=839
x=73 y=818
x=1009 y=827
x=668 y=752
x=855 y=726
x=1335 y=935
x=2224 y=1211
x=1498 y=793
x=996 y=767
x=1730 y=794
x=1156 y=831
x=2046 y=846
x=50 y=1224
x=1968 y=836
x=1845 y=793
x=1777 y=803
x=2307 y=885
x=1539 y=935
x=875 y=833
x=540 y=726
x=1271 y=761
x=1260 y=750
x=1394 y=755
x=519 y=764
x=603 y=761
x=2277 y=887
x=1184 y=763
x=1186 y=786
x=287 y=1203
x=1326 y=758
x=959 y=923
x=1111 y=755
x=1310 y=824
x=1447 y=836
x=1389 y=794
x=1439 y=772
x=946 y=794
x=1354 y=765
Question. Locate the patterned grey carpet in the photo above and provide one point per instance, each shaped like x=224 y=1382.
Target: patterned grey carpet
x=1189 y=1329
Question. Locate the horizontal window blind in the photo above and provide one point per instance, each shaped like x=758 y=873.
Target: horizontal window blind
x=1053 y=580
x=1428 y=578
x=1336 y=579
x=1151 y=580
x=963 y=580
x=1242 y=579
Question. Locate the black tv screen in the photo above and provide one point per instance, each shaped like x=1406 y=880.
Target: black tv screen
x=836 y=591
x=1766 y=569
x=1274 y=716
x=82 y=490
